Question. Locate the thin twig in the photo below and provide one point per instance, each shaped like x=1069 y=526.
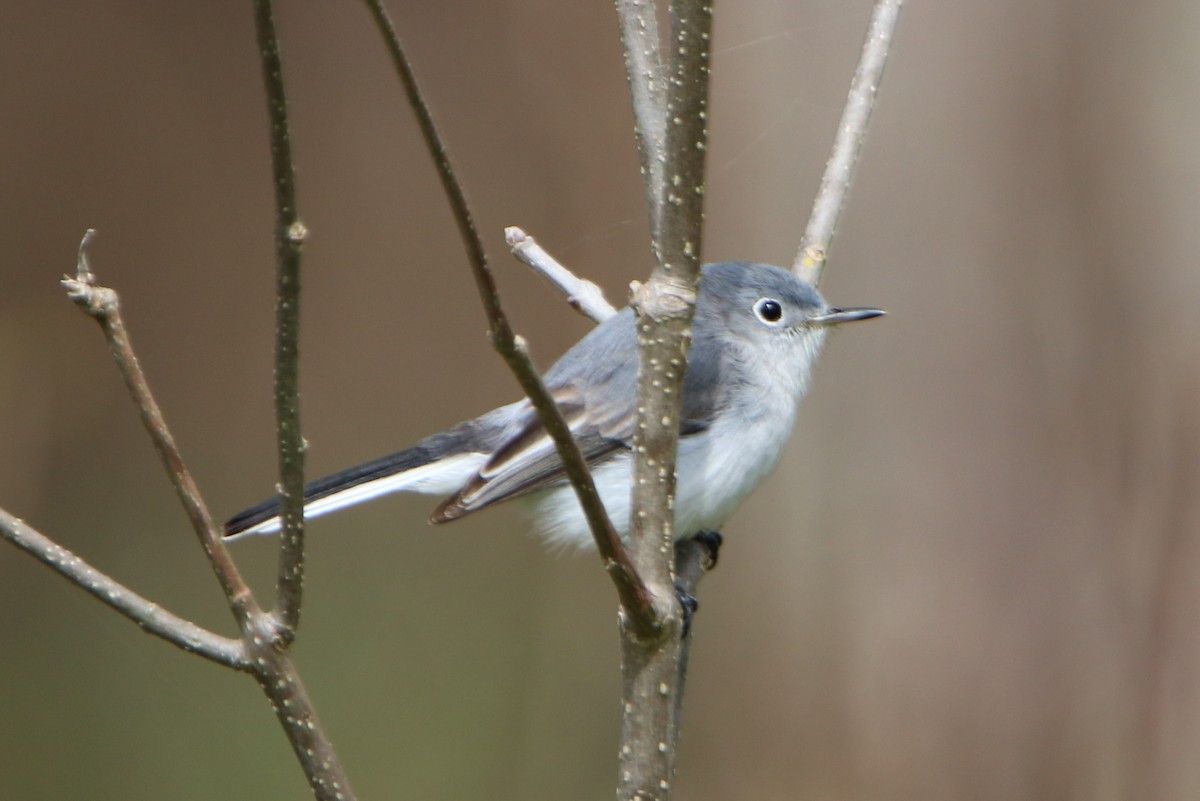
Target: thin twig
x=852 y=130
x=582 y=295
x=289 y=239
x=147 y=614
x=103 y=304
x=269 y=636
x=630 y=586
x=648 y=88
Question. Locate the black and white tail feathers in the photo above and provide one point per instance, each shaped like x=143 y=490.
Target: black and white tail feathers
x=437 y=465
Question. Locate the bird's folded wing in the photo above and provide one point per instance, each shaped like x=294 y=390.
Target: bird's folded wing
x=529 y=460
x=595 y=387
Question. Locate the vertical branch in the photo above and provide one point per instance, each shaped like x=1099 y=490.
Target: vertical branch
x=644 y=68
x=665 y=304
x=852 y=130
x=652 y=665
x=268 y=637
x=289 y=238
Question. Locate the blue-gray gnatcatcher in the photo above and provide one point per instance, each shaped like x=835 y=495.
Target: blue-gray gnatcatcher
x=757 y=332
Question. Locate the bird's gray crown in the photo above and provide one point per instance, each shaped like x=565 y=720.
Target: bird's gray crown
x=730 y=279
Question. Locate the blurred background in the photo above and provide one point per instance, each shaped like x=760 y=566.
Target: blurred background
x=973 y=576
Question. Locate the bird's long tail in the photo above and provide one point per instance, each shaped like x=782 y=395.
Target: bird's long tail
x=424 y=468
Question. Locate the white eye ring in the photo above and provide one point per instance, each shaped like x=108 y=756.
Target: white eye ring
x=769 y=310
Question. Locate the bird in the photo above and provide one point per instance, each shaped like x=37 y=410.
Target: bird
x=756 y=334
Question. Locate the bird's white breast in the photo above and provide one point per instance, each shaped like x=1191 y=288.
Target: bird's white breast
x=718 y=468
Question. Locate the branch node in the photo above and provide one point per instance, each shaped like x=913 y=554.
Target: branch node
x=664 y=299
x=296 y=233
x=96 y=301
x=280 y=634
x=809 y=262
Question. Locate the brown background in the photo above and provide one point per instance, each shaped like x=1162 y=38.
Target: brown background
x=974 y=575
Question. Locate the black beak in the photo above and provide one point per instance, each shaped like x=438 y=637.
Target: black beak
x=838 y=316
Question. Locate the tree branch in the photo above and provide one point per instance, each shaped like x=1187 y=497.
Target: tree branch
x=652 y=650
x=103 y=305
x=665 y=304
x=852 y=130
x=644 y=68
x=582 y=295
x=693 y=557
x=269 y=636
x=280 y=682
x=147 y=614
x=616 y=559
x=289 y=239
x=262 y=650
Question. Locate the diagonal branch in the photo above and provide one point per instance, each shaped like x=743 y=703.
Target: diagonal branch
x=648 y=89
x=852 y=130
x=103 y=304
x=630 y=587
x=582 y=295
x=147 y=614
x=289 y=239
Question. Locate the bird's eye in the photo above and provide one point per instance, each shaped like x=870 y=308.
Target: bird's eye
x=769 y=310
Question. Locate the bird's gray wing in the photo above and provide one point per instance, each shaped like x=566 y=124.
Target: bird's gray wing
x=528 y=461
x=595 y=386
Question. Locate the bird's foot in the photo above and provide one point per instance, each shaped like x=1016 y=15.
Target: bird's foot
x=712 y=540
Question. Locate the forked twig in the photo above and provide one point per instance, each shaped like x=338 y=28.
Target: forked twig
x=263 y=648
x=103 y=305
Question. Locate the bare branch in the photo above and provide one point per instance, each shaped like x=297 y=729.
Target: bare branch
x=630 y=587
x=647 y=86
x=665 y=304
x=582 y=295
x=147 y=614
x=652 y=665
x=289 y=239
x=262 y=650
x=280 y=682
x=852 y=130
x=103 y=304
